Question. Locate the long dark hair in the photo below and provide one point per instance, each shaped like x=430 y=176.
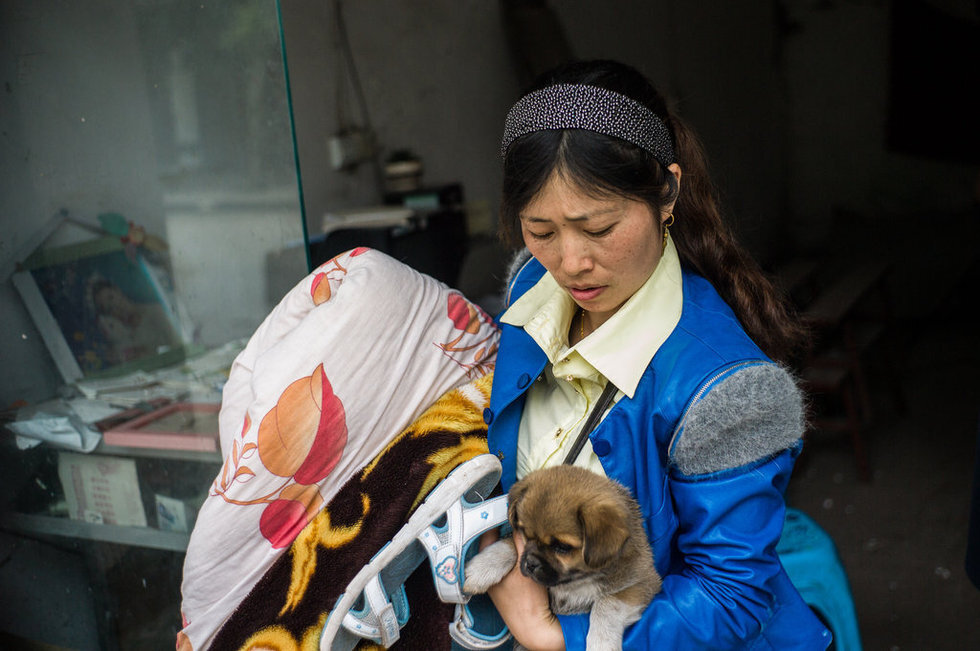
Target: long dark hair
x=604 y=166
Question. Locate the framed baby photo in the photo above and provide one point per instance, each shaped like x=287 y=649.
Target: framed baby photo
x=102 y=309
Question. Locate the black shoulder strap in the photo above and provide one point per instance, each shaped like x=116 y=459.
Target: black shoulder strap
x=594 y=417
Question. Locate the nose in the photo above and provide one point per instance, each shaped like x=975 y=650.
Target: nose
x=529 y=564
x=576 y=256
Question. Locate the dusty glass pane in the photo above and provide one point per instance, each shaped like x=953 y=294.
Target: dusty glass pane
x=158 y=219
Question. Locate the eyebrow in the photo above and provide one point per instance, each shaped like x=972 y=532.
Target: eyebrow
x=576 y=218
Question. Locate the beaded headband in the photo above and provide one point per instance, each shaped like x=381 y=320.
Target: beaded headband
x=578 y=106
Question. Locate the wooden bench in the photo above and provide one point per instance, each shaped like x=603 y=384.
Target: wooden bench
x=843 y=329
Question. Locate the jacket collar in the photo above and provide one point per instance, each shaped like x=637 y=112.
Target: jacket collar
x=545 y=312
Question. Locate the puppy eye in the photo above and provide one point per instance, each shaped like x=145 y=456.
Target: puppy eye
x=560 y=548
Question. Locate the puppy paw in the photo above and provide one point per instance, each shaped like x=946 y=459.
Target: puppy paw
x=607 y=621
x=489 y=566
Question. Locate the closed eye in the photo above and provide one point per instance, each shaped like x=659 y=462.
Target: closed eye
x=600 y=233
x=539 y=236
x=560 y=548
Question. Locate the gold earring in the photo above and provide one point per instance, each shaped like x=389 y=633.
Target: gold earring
x=667 y=224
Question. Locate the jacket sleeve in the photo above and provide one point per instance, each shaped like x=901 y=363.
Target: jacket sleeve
x=730 y=510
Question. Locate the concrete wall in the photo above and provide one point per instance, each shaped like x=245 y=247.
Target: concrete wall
x=717 y=62
x=439 y=81
x=436 y=78
x=836 y=66
x=790 y=98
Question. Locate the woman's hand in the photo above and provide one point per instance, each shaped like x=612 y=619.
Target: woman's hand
x=524 y=606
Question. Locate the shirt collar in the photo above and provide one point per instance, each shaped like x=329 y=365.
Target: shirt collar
x=645 y=320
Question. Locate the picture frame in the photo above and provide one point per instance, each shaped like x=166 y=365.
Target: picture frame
x=178 y=426
x=102 y=309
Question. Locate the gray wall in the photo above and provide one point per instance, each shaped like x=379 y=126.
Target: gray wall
x=836 y=69
x=439 y=80
x=793 y=119
x=790 y=98
x=792 y=110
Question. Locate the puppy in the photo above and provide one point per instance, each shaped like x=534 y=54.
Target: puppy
x=585 y=542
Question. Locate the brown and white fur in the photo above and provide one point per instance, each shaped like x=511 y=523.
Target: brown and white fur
x=585 y=542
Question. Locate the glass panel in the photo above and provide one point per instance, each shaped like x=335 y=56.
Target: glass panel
x=159 y=219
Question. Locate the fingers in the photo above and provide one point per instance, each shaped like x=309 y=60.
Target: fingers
x=519 y=543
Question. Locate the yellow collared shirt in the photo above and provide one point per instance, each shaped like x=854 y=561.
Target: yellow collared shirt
x=559 y=402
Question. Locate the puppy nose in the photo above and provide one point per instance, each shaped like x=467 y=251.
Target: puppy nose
x=529 y=565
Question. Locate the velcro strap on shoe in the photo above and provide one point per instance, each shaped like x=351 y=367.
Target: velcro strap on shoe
x=377 y=599
x=461 y=630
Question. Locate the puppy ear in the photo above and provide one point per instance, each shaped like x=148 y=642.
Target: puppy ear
x=514 y=497
x=604 y=531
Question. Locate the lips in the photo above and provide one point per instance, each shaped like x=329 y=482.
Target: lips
x=582 y=294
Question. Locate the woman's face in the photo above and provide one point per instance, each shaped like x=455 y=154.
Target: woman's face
x=111 y=300
x=600 y=250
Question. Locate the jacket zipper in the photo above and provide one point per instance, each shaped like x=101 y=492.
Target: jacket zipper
x=704 y=389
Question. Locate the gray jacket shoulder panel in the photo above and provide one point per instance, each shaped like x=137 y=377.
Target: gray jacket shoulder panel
x=517 y=262
x=752 y=414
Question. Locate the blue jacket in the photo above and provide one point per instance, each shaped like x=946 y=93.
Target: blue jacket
x=713 y=536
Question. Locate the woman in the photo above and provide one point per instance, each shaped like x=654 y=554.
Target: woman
x=635 y=282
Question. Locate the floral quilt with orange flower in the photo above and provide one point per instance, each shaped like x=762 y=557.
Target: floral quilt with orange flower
x=327 y=389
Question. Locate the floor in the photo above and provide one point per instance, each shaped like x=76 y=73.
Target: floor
x=902 y=535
